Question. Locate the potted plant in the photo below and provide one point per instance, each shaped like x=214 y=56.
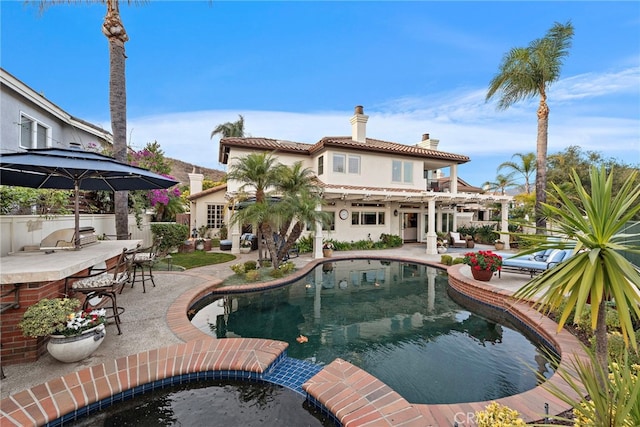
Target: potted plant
x=245 y=246
x=483 y=264
x=74 y=334
x=327 y=249
x=441 y=246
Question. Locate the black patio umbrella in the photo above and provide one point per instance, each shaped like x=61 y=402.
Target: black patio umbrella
x=76 y=170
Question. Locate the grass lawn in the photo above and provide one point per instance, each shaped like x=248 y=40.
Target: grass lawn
x=199 y=259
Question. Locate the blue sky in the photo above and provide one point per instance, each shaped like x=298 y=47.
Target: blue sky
x=295 y=71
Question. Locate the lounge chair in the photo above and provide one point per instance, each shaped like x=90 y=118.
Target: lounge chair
x=536 y=263
x=457 y=241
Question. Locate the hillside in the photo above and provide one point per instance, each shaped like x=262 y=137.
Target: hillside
x=180 y=170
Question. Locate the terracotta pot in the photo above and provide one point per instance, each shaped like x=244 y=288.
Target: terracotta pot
x=482 y=275
x=327 y=253
x=77 y=347
x=499 y=246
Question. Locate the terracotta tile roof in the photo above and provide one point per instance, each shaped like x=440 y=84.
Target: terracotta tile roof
x=196 y=196
x=372 y=145
x=377 y=145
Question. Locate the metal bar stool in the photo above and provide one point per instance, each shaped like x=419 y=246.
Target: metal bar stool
x=105 y=283
x=144 y=259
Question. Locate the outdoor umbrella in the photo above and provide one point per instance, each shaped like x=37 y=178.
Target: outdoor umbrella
x=76 y=170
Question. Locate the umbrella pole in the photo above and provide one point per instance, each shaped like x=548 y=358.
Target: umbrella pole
x=76 y=186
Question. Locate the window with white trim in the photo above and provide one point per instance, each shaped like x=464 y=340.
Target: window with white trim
x=367 y=218
x=320 y=165
x=215 y=216
x=33 y=134
x=346 y=164
x=402 y=171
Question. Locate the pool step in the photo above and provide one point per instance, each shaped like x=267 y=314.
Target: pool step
x=292 y=373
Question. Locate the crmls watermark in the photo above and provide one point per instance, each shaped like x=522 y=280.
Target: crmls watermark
x=464 y=419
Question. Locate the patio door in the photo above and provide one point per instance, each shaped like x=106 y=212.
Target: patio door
x=410 y=227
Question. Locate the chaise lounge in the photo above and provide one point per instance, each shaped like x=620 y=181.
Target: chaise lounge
x=535 y=263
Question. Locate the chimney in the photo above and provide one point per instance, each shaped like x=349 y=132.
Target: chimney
x=428 y=143
x=359 y=125
x=195 y=182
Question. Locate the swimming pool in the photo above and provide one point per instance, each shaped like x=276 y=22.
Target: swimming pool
x=393 y=319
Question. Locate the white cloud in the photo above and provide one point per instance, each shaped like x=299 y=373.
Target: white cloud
x=461 y=119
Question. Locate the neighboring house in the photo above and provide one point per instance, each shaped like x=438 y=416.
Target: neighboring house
x=370 y=186
x=29 y=120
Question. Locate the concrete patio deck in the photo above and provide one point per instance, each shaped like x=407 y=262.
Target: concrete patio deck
x=158 y=342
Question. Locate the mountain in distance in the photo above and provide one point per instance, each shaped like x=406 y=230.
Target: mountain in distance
x=180 y=171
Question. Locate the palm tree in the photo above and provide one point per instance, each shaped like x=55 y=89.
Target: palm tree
x=501 y=183
x=526 y=167
x=285 y=215
x=113 y=29
x=230 y=129
x=300 y=199
x=597 y=272
x=525 y=73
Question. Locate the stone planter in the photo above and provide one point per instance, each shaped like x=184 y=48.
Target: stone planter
x=482 y=275
x=77 y=347
x=327 y=253
x=245 y=250
x=199 y=246
x=499 y=246
x=441 y=249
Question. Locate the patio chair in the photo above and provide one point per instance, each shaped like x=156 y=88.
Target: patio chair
x=457 y=241
x=144 y=258
x=102 y=283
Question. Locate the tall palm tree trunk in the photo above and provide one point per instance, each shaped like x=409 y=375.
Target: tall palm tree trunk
x=114 y=30
x=602 y=352
x=541 y=165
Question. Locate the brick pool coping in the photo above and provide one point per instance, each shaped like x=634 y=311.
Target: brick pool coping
x=353 y=396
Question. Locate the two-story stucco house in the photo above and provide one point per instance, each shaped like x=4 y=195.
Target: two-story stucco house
x=29 y=120
x=370 y=186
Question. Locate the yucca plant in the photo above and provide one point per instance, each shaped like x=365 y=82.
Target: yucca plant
x=597 y=272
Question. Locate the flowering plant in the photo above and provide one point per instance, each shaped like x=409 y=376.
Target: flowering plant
x=483 y=260
x=59 y=316
x=327 y=245
x=245 y=243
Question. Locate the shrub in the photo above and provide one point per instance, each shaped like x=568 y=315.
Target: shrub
x=265 y=263
x=237 y=268
x=391 y=240
x=457 y=260
x=305 y=244
x=495 y=414
x=276 y=273
x=446 y=259
x=250 y=265
x=171 y=234
x=252 y=275
x=617 y=348
x=287 y=267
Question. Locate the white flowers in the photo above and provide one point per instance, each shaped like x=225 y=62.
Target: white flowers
x=85 y=319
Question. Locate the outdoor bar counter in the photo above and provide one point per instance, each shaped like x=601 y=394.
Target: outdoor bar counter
x=37 y=275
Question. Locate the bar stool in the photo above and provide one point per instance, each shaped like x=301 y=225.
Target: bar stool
x=144 y=258
x=105 y=283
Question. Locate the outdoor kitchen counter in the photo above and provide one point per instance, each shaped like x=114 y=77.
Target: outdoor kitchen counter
x=31 y=267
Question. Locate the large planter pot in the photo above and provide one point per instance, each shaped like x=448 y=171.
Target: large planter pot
x=499 y=246
x=327 y=253
x=77 y=347
x=441 y=249
x=244 y=250
x=482 y=275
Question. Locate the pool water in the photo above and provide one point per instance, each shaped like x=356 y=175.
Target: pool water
x=396 y=321
x=209 y=403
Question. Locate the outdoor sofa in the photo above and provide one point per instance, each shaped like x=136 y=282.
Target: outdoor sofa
x=535 y=263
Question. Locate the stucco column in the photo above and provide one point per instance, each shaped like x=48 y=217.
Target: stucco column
x=454 y=223
x=439 y=219
x=504 y=227
x=432 y=237
x=235 y=239
x=453 y=183
x=317 y=238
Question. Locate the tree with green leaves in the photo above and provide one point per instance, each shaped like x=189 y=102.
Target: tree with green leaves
x=525 y=167
x=597 y=272
x=230 y=129
x=501 y=184
x=527 y=72
x=282 y=196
